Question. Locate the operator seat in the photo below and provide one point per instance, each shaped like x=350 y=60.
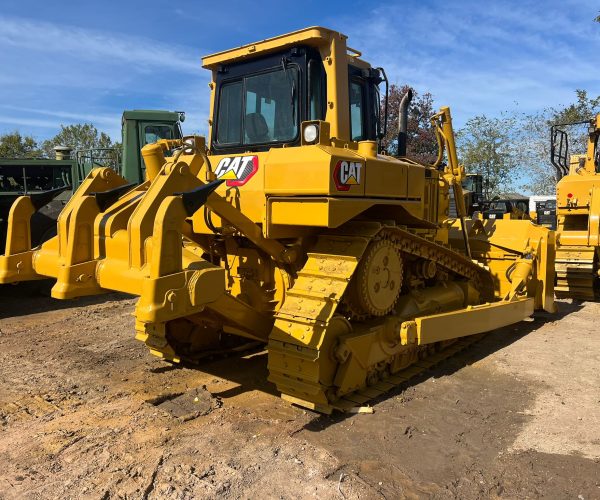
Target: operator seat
x=257 y=129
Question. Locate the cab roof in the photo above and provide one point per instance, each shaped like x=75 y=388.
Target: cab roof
x=314 y=36
x=151 y=115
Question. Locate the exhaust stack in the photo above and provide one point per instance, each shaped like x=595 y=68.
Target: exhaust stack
x=403 y=122
x=62 y=152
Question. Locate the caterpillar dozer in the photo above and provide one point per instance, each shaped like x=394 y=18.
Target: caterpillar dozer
x=578 y=213
x=291 y=228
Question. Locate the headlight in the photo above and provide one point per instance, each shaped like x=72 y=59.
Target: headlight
x=311 y=133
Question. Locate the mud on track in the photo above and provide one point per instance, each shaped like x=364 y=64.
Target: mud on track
x=516 y=415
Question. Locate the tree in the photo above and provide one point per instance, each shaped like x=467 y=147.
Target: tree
x=422 y=144
x=536 y=139
x=79 y=136
x=488 y=146
x=14 y=145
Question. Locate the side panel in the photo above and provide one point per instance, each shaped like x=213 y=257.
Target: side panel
x=315 y=170
x=384 y=178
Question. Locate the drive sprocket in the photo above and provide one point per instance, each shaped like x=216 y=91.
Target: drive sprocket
x=375 y=287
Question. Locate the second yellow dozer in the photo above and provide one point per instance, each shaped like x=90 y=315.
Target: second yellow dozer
x=578 y=214
x=290 y=227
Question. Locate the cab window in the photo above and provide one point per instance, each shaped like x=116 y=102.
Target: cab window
x=356 y=111
x=153 y=133
x=316 y=84
x=260 y=108
x=230 y=124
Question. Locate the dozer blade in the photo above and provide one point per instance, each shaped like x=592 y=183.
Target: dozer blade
x=497 y=245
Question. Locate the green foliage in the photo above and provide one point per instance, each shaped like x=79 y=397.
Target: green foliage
x=583 y=109
x=422 y=144
x=79 y=136
x=535 y=144
x=488 y=146
x=15 y=145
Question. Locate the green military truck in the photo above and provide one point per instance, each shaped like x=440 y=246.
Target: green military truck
x=51 y=182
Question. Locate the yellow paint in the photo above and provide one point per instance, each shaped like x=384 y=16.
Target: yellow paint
x=578 y=228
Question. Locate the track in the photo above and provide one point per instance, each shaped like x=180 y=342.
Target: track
x=577 y=273
x=380 y=388
x=307 y=327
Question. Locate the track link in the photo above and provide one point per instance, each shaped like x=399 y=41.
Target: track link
x=382 y=387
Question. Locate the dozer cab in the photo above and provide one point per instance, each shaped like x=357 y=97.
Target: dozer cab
x=578 y=213
x=287 y=226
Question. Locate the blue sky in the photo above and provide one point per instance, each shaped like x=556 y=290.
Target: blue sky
x=81 y=61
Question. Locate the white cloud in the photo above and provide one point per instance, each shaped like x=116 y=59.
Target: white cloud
x=66 y=43
x=63 y=74
x=108 y=119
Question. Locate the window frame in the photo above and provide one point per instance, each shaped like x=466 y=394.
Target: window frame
x=363 y=108
x=298 y=58
x=371 y=120
x=313 y=61
x=170 y=126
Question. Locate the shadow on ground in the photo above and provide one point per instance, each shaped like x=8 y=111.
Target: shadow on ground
x=33 y=297
x=489 y=344
x=249 y=369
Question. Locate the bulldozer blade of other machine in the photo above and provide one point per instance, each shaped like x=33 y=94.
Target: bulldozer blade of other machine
x=290 y=227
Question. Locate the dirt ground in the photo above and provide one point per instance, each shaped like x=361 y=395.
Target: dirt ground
x=84 y=413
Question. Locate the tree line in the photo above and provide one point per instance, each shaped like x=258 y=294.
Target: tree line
x=511 y=151
x=79 y=136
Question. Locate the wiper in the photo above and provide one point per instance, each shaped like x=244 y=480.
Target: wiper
x=292 y=85
x=293 y=96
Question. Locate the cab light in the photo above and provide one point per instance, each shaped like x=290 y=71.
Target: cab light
x=311 y=133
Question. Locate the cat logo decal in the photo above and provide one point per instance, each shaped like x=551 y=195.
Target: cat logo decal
x=347 y=174
x=237 y=170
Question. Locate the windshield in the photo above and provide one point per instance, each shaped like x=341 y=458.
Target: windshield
x=153 y=133
x=259 y=109
x=498 y=205
x=473 y=183
x=468 y=184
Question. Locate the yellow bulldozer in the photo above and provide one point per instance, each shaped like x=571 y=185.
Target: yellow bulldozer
x=578 y=213
x=290 y=227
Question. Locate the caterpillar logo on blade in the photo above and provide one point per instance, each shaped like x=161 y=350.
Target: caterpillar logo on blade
x=236 y=170
x=346 y=174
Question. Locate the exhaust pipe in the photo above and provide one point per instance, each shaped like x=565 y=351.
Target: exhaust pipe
x=62 y=152
x=403 y=122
